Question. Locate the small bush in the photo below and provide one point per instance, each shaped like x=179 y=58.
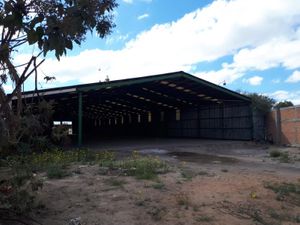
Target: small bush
x=143 y=167
x=56 y=171
x=183 y=199
x=275 y=153
x=204 y=218
x=106 y=158
x=188 y=174
x=282 y=156
x=157 y=213
x=285 y=191
x=17 y=193
x=115 y=182
x=158 y=185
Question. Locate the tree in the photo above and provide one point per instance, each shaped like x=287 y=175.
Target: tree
x=52 y=25
x=283 y=104
x=261 y=102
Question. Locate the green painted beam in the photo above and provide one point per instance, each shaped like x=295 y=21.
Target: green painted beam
x=180 y=74
x=127 y=82
x=79 y=119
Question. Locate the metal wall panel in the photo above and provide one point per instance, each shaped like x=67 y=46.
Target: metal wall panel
x=231 y=121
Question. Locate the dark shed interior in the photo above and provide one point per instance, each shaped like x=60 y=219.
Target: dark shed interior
x=168 y=105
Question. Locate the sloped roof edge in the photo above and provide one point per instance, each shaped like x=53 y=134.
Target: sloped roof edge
x=138 y=80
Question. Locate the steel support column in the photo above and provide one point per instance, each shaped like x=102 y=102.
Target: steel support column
x=79 y=119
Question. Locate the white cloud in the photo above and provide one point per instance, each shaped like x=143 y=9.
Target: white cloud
x=7 y=88
x=218 y=77
x=254 y=81
x=259 y=34
x=275 y=53
x=276 y=81
x=131 y=1
x=144 y=16
x=116 y=38
x=282 y=95
x=294 y=78
x=128 y=1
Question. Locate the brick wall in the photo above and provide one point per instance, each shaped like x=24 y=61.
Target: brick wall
x=283 y=126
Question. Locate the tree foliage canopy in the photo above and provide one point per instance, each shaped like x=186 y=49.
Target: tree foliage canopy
x=283 y=104
x=261 y=102
x=48 y=25
x=53 y=24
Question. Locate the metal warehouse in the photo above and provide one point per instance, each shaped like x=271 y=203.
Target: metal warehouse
x=167 y=105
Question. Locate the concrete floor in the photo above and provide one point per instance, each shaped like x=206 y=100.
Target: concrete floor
x=223 y=147
x=210 y=153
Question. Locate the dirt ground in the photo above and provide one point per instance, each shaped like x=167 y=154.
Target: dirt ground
x=209 y=182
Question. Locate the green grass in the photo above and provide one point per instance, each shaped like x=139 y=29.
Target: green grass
x=142 y=167
x=284 y=216
x=284 y=188
x=158 y=185
x=290 y=191
x=56 y=171
x=282 y=156
x=204 y=218
x=188 y=174
x=40 y=161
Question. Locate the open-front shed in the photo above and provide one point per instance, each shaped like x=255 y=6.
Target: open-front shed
x=167 y=105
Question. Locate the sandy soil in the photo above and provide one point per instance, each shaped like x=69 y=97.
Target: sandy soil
x=204 y=186
x=199 y=189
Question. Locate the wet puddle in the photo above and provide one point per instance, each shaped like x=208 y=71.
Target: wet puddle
x=154 y=151
x=190 y=156
x=201 y=158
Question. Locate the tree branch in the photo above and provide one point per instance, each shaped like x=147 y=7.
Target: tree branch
x=22 y=79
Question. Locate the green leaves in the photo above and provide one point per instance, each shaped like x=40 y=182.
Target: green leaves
x=32 y=37
x=69 y=44
x=56 y=25
x=261 y=102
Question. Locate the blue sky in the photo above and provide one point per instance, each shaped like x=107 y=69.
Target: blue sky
x=253 y=46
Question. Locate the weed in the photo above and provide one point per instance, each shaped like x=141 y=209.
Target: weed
x=40 y=161
x=158 y=185
x=196 y=208
x=188 y=174
x=77 y=171
x=283 y=216
x=285 y=191
x=203 y=173
x=257 y=217
x=140 y=203
x=106 y=159
x=115 y=182
x=56 y=171
x=142 y=167
x=204 y=218
x=275 y=153
x=183 y=199
x=157 y=213
x=282 y=156
x=17 y=194
x=90 y=183
x=284 y=188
